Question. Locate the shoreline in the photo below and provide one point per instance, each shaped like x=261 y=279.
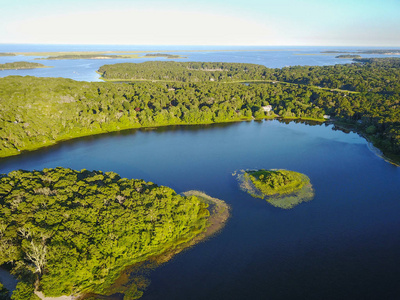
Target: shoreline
x=154 y=126
x=219 y=215
x=137 y=274
x=384 y=153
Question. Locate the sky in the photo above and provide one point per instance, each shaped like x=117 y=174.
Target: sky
x=206 y=22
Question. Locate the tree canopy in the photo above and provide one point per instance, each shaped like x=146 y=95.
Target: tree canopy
x=77 y=230
x=36 y=112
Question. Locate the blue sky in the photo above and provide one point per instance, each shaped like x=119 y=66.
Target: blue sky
x=206 y=22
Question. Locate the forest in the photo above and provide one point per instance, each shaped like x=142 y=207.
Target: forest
x=364 y=94
x=72 y=232
x=37 y=112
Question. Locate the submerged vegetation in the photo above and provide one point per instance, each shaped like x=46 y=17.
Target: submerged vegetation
x=72 y=232
x=20 y=65
x=281 y=188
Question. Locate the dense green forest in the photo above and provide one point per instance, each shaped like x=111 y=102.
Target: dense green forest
x=70 y=231
x=372 y=107
x=21 y=65
x=41 y=111
x=35 y=112
x=366 y=75
x=183 y=71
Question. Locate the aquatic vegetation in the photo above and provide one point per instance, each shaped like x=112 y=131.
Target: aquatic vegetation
x=281 y=188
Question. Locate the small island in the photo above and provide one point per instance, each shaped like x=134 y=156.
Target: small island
x=7 y=54
x=349 y=56
x=88 y=56
x=281 y=188
x=165 y=55
x=21 y=65
x=371 y=51
x=67 y=232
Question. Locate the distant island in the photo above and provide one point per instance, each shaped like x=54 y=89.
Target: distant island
x=99 y=55
x=281 y=188
x=70 y=232
x=351 y=56
x=21 y=65
x=7 y=54
x=170 y=56
x=373 y=51
x=88 y=56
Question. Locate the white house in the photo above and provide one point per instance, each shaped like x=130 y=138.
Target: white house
x=266 y=108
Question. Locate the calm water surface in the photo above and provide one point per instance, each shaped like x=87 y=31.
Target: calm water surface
x=344 y=244
x=85 y=69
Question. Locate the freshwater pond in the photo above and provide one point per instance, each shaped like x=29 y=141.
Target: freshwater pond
x=344 y=244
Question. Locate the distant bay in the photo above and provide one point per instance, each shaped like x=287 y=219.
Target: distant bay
x=85 y=69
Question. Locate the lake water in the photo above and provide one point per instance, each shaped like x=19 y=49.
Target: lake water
x=344 y=244
x=85 y=69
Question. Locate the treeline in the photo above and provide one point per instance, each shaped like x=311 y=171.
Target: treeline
x=70 y=231
x=368 y=75
x=374 y=110
x=21 y=65
x=183 y=71
x=35 y=112
x=377 y=75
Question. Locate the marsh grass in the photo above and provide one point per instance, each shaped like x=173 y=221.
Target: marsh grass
x=288 y=196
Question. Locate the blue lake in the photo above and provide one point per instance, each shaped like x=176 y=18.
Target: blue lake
x=344 y=244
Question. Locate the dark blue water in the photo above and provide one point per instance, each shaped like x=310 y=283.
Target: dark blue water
x=85 y=69
x=344 y=244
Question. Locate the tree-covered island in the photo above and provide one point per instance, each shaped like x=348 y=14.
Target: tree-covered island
x=37 y=112
x=21 y=65
x=348 y=56
x=281 y=188
x=69 y=232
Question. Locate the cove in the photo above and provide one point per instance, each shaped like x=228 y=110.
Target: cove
x=342 y=244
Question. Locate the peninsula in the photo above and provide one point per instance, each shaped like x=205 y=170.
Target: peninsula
x=74 y=232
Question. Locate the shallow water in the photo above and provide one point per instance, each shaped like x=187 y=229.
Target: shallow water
x=343 y=244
